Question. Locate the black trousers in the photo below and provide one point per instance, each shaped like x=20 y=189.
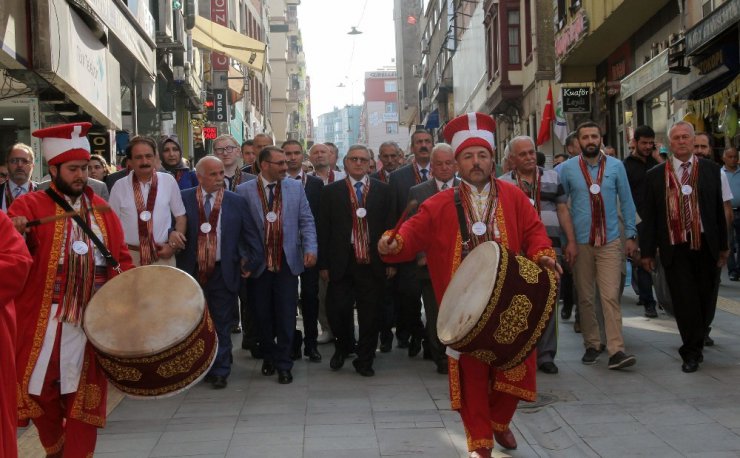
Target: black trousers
x=692 y=280
x=249 y=330
x=409 y=294
x=361 y=285
x=431 y=309
x=310 y=305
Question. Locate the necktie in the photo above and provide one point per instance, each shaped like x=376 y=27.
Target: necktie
x=207 y=206
x=358 y=191
x=424 y=174
x=271 y=194
x=18 y=191
x=444 y=186
x=297 y=177
x=684 y=181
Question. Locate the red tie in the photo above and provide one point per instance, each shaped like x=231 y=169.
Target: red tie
x=686 y=207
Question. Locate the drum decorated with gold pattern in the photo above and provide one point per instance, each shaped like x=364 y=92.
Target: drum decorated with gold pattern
x=151 y=331
x=497 y=306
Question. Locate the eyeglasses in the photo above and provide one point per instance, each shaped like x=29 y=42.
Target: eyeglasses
x=3 y=175
x=18 y=161
x=278 y=163
x=225 y=149
x=358 y=159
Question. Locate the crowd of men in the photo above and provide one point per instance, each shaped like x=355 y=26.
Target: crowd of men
x=268 y=231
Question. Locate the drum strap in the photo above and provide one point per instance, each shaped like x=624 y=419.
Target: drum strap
x=465 y=235
x=112 y=262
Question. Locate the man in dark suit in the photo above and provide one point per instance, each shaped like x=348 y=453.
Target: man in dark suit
x=443 y=168
x=20 y=161
x=280 y=210
x=354 y=213
x=684 y=219
x=222 y=242
x=310 y=277
x=389 y=154
x=409 y=328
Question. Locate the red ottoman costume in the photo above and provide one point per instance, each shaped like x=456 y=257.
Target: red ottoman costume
x=485 y=397
x=59 y=411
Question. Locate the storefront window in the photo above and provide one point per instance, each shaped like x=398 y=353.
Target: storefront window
x=657 y=112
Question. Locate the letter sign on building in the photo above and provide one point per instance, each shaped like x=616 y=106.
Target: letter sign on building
x=576 y=99
x=220 y=109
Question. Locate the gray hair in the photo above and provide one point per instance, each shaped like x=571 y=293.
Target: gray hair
x=518 y=138
x=683 y=123
x=442 y=147
x=202 y=162
x=391 y=144
x=226 y=137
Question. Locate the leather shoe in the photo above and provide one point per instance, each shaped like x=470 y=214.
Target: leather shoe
x=442 y=367
x=505 y=438
x=312 y=354
x=267 y=368
x=285 y=377
x=481 y=453
x=256 y=352
x=337 y=360
x=690 y=365
x=414 y=346
x=236 y=329
x=549 y=368
x=565 y=312
x=708 y=341
x=362 y=369
x=209 y=378
x=386 y=341
x=219 y=382
x=577 y=327
x=385 y=347
x=402 y=343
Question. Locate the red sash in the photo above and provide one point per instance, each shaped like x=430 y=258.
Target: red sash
x=274 y=229
x=207 y=241
x=359 y=225
x=531 y=190
x=597 y=236
x=147 y=247
x=678 y=220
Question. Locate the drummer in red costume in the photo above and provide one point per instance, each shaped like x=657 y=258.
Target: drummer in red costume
x=60 y=385
x=485 y=397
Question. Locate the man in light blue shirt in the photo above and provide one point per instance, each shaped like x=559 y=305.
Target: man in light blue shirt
x=732 y=172
x=596 y=185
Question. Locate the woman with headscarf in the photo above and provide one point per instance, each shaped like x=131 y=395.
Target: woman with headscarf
x=170 y=153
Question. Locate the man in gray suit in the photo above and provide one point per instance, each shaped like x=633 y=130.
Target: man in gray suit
x=287 y=230
x=409 y=325
x=443 y=168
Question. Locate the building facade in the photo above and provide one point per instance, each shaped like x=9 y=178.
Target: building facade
x=340 y=126
x=380 y=118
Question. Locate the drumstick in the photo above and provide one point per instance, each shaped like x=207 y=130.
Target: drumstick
x=411 y=205
x=49 y=219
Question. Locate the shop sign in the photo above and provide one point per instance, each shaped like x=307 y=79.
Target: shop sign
x=651 y=71
x=100 y=143
x=210 y=133
x=220 y=112
x=369 y=75
x=721 y=19
x=121 y=26
x=390 y=117
x=576 y=99
x=570 y=34
x=220 y=15
x=715 y=60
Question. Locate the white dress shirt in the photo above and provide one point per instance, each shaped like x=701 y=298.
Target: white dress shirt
x=25 y=187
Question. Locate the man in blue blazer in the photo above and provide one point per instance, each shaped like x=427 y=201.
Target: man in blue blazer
x=279 y=208
x=220 y=231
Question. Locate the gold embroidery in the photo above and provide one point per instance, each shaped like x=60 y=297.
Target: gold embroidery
x=454 y=381
x=544 y=252
x=513 y=320
x=541 y=324
x=501 y=224
x=478 y=443
x=516 y=374
x=398 y=239
x=520 y=393
x=92 y=397
x=77 y=412
x=499 y=427
x=56 y=447
x=486 y=356
x=182 y=364
x=118 y=372
x=528 y=270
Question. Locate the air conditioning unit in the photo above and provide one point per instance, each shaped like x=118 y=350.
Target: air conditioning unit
x=178 y=74
x=416 y=70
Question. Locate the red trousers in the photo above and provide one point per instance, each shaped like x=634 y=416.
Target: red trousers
x=61 y=435
x=483 y=409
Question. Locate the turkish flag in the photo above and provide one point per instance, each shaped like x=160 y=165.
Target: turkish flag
x=548 y=116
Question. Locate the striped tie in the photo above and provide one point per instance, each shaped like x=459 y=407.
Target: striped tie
x=17 y=192
x=685 y=175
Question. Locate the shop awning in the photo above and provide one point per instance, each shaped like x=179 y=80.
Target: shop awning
x=215 y=37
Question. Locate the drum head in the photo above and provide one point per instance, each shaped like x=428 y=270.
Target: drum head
x=468 y=293
x=144 y=311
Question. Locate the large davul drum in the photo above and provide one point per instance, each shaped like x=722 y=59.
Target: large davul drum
x=497 y=306
x=151 y=331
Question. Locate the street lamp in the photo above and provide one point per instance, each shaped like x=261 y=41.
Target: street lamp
x=354 y=31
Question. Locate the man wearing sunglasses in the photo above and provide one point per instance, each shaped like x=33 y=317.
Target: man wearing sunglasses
x=20 y=167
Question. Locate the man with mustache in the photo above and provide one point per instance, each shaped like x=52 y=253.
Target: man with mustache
x=596 y=184
x=61 y=387
x=146 y=201
x=409 y=328
x=20 y=167
x=485 y=396
x=222 y=243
